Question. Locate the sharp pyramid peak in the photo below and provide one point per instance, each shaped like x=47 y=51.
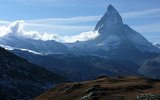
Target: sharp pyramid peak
x=111 y=8
x=110 y=18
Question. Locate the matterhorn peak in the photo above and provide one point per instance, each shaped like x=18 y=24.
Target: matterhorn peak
x=111 y=9
x=110 y=19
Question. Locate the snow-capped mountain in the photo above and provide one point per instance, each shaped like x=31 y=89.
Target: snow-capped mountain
x=113 y=31
x=116 y=39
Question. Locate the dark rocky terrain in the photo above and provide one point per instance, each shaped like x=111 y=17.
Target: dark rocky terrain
x=20 y=79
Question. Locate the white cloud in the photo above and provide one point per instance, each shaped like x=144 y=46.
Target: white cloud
x=41 y=36
x=81 y=37
x=155 y=27
x=58 y=27
x=62 y=25
x=3 y=31
x=48 y=2
x=17 y=29
x=140 y=14
x=80 y=19
x=67 y=24
x=4 y=22
x=65 y=20
x=14 y=27
x=62 y=3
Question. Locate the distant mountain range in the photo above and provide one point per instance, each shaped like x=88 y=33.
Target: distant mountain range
x=44 y=47
x=80 y=67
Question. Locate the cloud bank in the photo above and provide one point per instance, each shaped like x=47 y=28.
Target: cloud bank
x=17 y=29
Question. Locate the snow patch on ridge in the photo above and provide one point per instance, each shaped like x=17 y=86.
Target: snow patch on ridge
x=12 y=48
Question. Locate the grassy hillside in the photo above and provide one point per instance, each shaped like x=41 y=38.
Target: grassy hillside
x=104 y=88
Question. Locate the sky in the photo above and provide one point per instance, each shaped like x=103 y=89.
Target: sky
x=73 y=17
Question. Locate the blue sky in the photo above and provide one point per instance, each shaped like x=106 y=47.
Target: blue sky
x=70 y=17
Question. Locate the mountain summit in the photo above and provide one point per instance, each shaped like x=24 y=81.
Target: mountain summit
x=110 y=19
x=113 y=31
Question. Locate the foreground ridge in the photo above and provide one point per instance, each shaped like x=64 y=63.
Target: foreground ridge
x=104 y=88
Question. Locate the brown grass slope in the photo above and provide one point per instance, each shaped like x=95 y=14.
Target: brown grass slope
x=103 y=88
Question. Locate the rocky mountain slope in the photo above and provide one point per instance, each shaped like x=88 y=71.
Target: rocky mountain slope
x=20 y=79
x=151 y=68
